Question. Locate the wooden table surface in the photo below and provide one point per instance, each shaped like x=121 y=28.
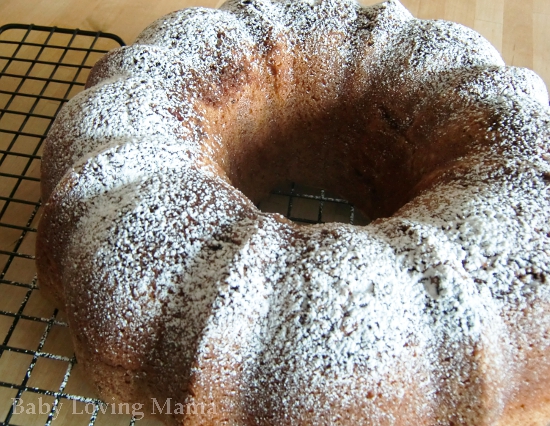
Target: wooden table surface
x=519 y=29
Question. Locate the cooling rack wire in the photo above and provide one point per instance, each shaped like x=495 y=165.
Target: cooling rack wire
x=41 y=382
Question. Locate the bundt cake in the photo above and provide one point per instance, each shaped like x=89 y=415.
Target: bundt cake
x=178 y=289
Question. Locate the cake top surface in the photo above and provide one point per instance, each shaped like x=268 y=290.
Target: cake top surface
x=454 y=270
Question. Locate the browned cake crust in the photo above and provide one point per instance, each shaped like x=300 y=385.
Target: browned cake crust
x=177 y=287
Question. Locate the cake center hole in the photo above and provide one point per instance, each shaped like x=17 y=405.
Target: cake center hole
x=308 y=205
x=369 y=150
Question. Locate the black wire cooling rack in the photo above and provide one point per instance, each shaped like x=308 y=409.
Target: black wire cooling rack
x=40 y=380
x=40 y=69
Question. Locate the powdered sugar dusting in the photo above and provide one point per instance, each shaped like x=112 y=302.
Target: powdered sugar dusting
x=200 y=295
